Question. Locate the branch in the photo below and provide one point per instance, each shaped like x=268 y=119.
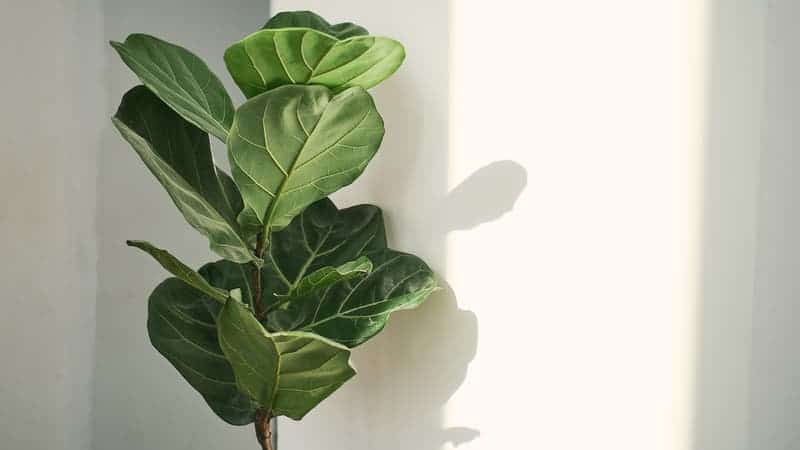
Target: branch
x=263 y=429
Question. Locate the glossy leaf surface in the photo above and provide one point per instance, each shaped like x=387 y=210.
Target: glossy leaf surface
x=181 y=80
x=271 y=58
x=352 y=311
x=308 y=19
x=182 y=327
x=287 y=373
x=323 y=236
x=179 y=156
x=296 y=144
x=181 y=270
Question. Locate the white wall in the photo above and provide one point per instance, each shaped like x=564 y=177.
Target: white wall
x=52 y=107
x=141 y=402
x=775 y=396
x=611 y=307
x=613 y=222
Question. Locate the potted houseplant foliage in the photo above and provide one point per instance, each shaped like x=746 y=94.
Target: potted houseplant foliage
x=267 y=330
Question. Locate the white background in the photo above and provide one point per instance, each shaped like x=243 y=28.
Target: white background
x=606 y=189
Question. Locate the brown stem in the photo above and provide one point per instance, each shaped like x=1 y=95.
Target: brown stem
x=256 y=281
x=262 y=418
x=263 y=429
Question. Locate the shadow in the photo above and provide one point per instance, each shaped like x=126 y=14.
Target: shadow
x=423 y=355
x=485 y=196
x=409 y=372
x=727 y=415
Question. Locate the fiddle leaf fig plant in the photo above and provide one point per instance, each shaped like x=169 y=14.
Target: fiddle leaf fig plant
x=268 y=330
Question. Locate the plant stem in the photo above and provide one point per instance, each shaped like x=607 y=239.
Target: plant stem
x=256 y=280
x=263 y=429
x=262 y=418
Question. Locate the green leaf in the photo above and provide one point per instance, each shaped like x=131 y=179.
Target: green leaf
x=312 y=368
x=323 y=236
x=326 y=276
x=308 y=19
x=181 y=323
x=181 y=80
x=352 y=311
x=232 y=195
x=181 y=270
x=252 y=353
x=179 y=156
x=296 y=144
x=286 y=373
x=270 y=58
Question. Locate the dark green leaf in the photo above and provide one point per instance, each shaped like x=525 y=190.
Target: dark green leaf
x=231 y=192
x=181 y=80
x=287 y=373
x=179 y=156
x=270 y=58
x=352 y=311
x=182 y=327
x=320 y=238
x=296 y=144
x=308 y=19
x=181 y=270
x=324 y=236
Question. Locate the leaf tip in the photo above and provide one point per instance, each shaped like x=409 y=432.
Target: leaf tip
x=134 y=243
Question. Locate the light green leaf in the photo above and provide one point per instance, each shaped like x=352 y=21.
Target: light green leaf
x=181 y=323
x=326 y=276
x=312 y=368
x=181 y=270
x=181 y=80
x=252 y=353
x=179 y=156
x=270 y=58
x=308 y=19
x=296 y=144
x=286 y=373
x=352 y=311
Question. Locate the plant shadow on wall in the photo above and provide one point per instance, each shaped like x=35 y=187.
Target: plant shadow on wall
x=429 y=353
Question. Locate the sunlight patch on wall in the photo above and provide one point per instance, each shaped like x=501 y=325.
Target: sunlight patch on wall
x=586 y=292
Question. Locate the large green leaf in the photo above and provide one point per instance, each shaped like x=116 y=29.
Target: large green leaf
x=296 y=144
x=323 y=236
x=270 y=58
x=319 y=239
x=308 y=19
x=180 y=79
x=352 y=311
x=179 y=156
x=312 y=368
x=286 y=373
x=181 y=270
x=252 y=353
x=181 y=323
